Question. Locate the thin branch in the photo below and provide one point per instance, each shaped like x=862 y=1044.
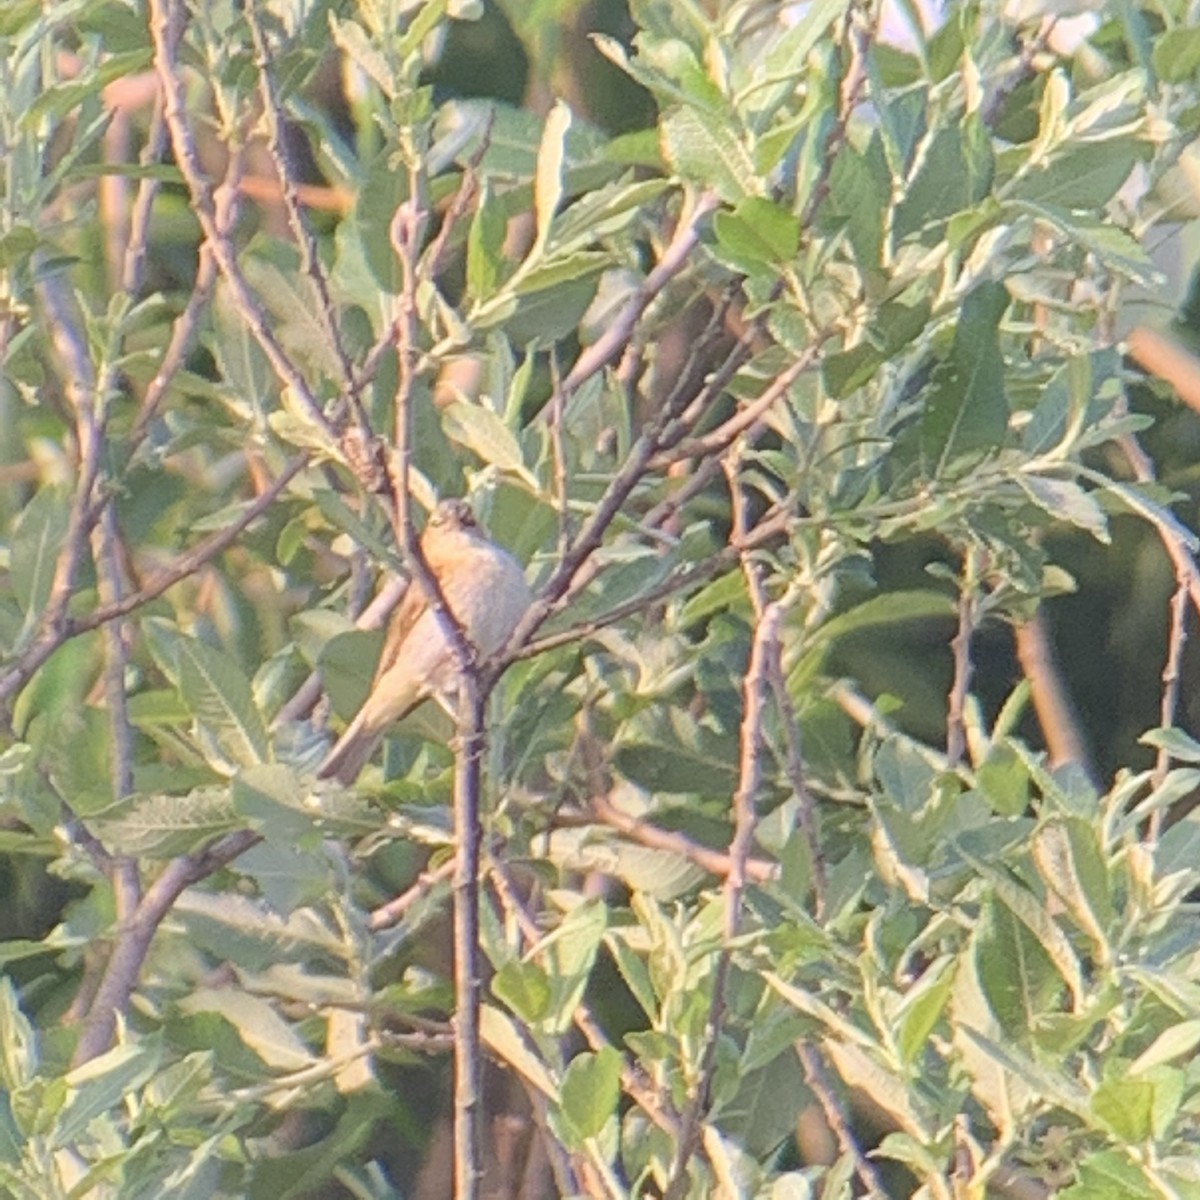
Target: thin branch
x=124 y=873
x=80 y=385
x=609 y=346
x=857 y=35
x=395 y=910
x=771 y=525
x=468 y=970
x=752 y=743
x=406 y=231
x=1170 y=694
x=199 y=556
x=1056 y=714
x=135 y=935
x=1169 y=533
x=968 y=621
x=310 y=260
x=601 y=811
x=133 y=269
x=838 y=1121
x=468 y=189
x=374 y=616
x=164 y=18
x=793 y=758
x=187 y=564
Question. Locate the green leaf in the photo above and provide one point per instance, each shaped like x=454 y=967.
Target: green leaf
x=383 y=190
x=570 y=953
x=703 y=147
x=259 y=1026
x=1109 y=1175
x=58 y=100
x=877 y=612
x=1179 y=745
x=18 y=1042
x=271 y=799
x=485 y=246
x=1069 y=859
x=501 y=1035
x=955 y=175
x=17 y=244
x=1086 y=175
x=525 y=989
x=1015 y=972
x=967 y=410
x=633 y=970
x=1066 y=500
x=480 y=429
x=37 y=541
x=162 y=825
x=548 y=178
x=1003 y=781
x=1125 y=1106
x=675 y=770
x=1176 y=55
x=103 y=1083
x=757 y=233
x=354 y=41
x=1178 y=1041
x=219 y=696
x=788 y=50
x=591 y=1088
x=922 y=1008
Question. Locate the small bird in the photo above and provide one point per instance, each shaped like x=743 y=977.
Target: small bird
x=483 y=586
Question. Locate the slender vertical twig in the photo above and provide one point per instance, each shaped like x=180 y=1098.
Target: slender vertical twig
x=835 y=1116
x=164 y=18
x=960 y=645
x=764 y=648
x=1169 y=703
x=1057 y=718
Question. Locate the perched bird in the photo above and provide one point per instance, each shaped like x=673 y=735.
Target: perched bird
x=483 y=586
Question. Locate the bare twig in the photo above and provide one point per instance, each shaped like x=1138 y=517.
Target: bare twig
x=373 y=616
x=835 y=1116
x=793 y=758
x=135 y=934
x=309 y=259
x=857 y=36
x=395 y=910
x=126 y=879
x=407 y=227
x=1170 y=693
x=468 y=189
x=81 y=387
x=1173 y=542
x=608 y=347
x=188 y=564
x=771 y=525
x=1056 y=714
x=968 y=621
x=164 y=18
x=602 y=811
x=468 y=983
x=755 y=687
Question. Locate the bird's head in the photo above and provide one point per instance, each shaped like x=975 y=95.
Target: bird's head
x=451 y=516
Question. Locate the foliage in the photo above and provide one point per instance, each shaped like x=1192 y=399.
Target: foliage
x=850 y=293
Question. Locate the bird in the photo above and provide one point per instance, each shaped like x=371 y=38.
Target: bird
x=485 y=589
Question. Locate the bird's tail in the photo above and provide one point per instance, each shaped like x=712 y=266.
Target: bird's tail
x=351 y=751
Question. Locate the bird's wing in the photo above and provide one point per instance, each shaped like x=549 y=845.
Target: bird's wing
x=407 y=613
